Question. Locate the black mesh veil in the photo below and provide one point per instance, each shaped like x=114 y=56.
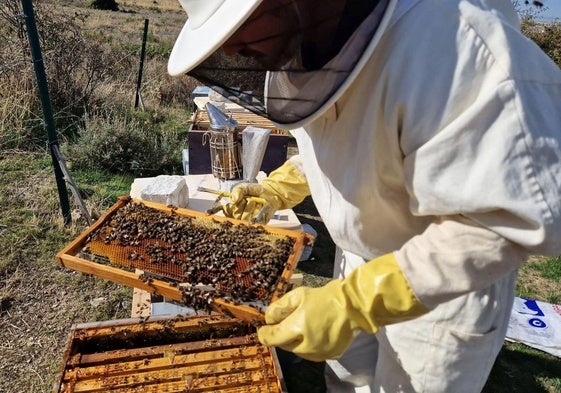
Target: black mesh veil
x=310 y=57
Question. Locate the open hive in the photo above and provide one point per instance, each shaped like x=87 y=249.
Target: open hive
x=198 y=354
x=199 y=152
x=202 y=122
x=202 y=261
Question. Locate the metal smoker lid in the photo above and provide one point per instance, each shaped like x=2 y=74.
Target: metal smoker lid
x=218 y=119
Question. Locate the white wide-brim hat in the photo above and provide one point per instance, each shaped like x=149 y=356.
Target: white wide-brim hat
x=210 y=23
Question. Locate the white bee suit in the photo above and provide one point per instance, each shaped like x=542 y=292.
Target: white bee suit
x=446 y=150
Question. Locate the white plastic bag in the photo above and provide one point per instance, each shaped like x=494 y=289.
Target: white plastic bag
x=536 y=324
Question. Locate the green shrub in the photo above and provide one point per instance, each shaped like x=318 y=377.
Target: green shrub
x=130 y=144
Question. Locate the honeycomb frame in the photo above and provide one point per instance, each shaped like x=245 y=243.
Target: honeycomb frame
x=174 y=288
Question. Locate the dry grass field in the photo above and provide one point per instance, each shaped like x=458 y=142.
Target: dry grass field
x=166 y=19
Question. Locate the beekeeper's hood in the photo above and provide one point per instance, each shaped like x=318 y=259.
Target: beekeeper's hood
x=286 y=60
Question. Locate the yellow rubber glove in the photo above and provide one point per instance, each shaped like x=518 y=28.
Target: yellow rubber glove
x=284 y=188
x=320 y=323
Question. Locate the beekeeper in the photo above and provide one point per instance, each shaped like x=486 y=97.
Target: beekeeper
x=429 y=138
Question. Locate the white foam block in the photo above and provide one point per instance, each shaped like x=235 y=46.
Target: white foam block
x=167 y=190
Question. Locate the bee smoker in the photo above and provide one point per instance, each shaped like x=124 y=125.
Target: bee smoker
x=225 y=149
x=234 y=156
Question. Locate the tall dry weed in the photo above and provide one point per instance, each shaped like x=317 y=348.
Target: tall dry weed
x=18 y=109
x=76 y=68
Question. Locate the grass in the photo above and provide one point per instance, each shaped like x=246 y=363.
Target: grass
x=540 y=279
x=549 y=268
x=39 y=301
x=522 y=369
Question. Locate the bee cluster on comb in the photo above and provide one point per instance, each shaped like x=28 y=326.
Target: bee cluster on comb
x=236 y=262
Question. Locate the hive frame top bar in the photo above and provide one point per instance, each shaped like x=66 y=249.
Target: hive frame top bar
x=194 y=353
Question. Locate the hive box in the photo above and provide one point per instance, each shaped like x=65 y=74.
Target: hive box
x=168 y=354
x=199 y=152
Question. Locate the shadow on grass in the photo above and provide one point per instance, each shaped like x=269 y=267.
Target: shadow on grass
x=300 y=375
x=518 y=369
x=319 y=266
x=522 y=369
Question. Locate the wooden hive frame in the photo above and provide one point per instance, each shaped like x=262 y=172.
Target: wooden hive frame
x=70 y=258
x=196 y=354
x=201 y=121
